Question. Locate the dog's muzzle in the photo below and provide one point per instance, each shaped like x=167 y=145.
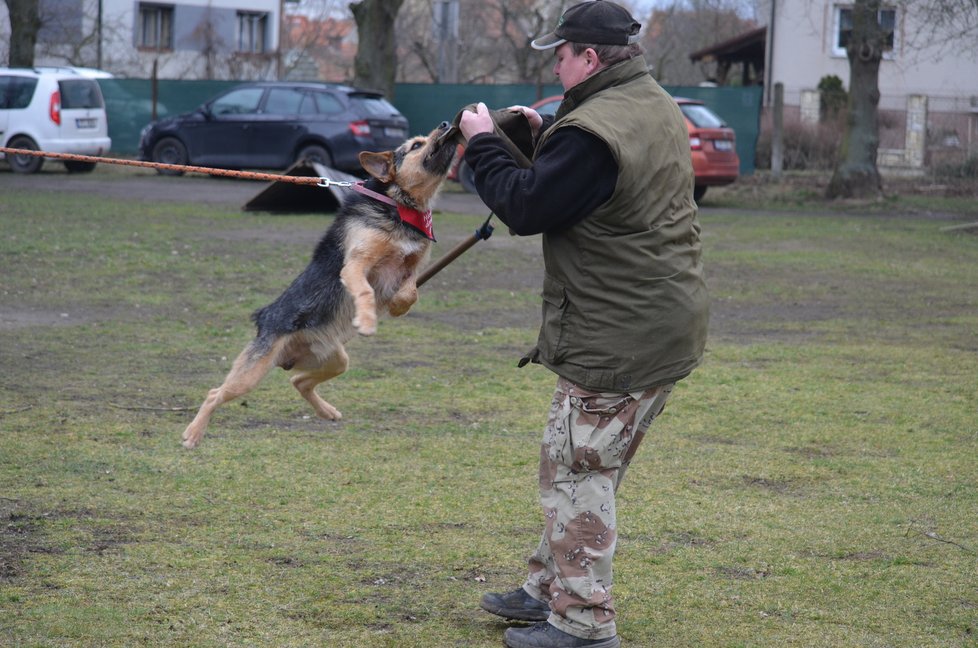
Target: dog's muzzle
x=447 y=130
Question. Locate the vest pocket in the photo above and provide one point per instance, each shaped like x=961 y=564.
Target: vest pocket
x=552 y=344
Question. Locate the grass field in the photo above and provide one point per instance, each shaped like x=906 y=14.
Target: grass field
x=814 y=483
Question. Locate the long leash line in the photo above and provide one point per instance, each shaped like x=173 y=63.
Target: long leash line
x=228 y=173
x=481 y=234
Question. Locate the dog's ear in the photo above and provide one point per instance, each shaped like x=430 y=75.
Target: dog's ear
x=379 y=165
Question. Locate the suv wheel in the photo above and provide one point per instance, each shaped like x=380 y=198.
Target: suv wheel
x=315 y=153
x=698 y=192
x=76 y=166
x=24 y=163
x=170 y=150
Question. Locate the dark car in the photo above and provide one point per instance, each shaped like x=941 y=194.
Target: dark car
x=271 y=125
x=712 y=145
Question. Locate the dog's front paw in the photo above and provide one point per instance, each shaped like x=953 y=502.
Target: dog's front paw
x=365 y=325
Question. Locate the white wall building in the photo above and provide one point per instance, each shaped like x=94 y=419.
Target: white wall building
x=928 y=83
x=185 y=39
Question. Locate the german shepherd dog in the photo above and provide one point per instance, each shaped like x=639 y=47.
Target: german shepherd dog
x=366 y=263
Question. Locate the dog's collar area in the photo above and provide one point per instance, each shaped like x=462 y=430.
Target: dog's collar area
x=419 y=220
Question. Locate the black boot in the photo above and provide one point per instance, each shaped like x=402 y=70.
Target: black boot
x=516 y=605
x=544 y=635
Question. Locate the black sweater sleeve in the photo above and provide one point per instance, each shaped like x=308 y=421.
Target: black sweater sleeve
x=573 y=174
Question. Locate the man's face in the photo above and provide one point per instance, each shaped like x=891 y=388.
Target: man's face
x=572 y=68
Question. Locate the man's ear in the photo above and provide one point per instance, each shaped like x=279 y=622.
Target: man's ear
x=592 y=60
x=379 y=165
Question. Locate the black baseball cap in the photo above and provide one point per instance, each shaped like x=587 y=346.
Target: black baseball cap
x=595 y=22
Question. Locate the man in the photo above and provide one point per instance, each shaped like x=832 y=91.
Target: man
x=624 y=303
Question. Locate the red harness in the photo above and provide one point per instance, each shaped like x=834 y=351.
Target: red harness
x=419 y=220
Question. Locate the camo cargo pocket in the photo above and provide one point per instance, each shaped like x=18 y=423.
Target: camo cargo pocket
x=602 y=428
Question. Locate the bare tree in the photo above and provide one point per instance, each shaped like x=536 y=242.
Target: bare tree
x=25 y=22
x=674 y=31
x=319 y=41
x=857 y=175
x=943 y=26
x=520 y=23
x=494 y=40
x=375 y=65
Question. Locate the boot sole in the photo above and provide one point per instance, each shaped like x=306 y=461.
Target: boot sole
x=613 y=642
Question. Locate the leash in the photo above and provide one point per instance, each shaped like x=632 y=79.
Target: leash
x=228 y=173
x=481 y=234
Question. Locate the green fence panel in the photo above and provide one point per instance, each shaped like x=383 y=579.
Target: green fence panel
x=428 y=104
x=130 y=107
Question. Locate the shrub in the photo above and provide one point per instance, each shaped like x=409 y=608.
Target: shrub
x=806 y=147
x=967 y=169
x=832 y=97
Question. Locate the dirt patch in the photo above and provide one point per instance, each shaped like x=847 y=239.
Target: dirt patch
x=18 y=317
x=20 y=536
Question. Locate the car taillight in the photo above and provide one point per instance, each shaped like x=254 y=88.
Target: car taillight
x=54 y=111
x=360 y=128
x=695 y=143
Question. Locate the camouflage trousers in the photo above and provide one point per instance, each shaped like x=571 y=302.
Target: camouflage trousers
x=588 y=444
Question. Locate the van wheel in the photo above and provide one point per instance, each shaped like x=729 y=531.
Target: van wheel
x=315 y=153
x=24 y=163
x=466 y=177
x=170 y=150
x=698 y=192
x=76 y=166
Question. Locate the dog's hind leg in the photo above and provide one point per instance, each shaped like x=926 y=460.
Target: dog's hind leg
x=305 y=382
x=246 y=372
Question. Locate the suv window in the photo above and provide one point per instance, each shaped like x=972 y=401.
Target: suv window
x=373 y=105
x=238 y=102
x=79 y=93
x=701 y=116
x=328 y=104
x=16 y=91
x=284 y=101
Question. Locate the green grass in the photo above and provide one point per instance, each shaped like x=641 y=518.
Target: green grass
x=813 y=484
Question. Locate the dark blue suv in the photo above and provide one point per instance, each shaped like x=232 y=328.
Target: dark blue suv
x=270 y=125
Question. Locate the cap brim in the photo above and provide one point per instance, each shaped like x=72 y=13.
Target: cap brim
x=548 y=41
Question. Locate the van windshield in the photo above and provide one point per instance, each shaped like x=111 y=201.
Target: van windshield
x=80 y=93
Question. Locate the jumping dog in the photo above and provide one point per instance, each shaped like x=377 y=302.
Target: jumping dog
x=366 y=263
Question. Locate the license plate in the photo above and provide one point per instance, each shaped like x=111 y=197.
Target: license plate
x=394 y=132
x=86 y=122
x=723 y=145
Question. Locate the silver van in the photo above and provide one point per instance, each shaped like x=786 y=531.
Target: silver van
x=59 y=110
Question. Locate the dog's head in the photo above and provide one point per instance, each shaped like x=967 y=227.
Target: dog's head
x=416 y=168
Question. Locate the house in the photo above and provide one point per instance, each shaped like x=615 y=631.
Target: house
x=180 y=39
x=928 y=81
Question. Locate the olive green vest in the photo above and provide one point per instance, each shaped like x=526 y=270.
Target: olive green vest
x=625 y=306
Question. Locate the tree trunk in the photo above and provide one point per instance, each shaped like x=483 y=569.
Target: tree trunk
x=375 y=65
x=856 y=176
x=25 y=21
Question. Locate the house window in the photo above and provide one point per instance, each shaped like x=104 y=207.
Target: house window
x=155 y=27
x=843 y=30
x=251 y=32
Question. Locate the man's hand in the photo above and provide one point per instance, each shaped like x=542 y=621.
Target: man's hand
x=532 y=116
x=474 y=123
